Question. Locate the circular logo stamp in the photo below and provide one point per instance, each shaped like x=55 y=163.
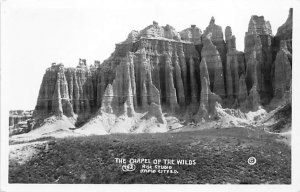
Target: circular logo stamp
x=251 y=160
x=129 y=167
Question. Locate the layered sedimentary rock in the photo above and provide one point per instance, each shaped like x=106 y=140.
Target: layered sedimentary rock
x=283 y=71
x=123 y=95
x=155 y=106
x=107 y=98
x=20 y=121
x=158 y=70
x=66 y=91
x=171 y=99
x=243 y=93
x=215 y=68
x=208 y=99
x=217 y=39
x=192 y=34
x=259 y=39
x=254 y=98
x=235 y=66
x=16 y=116
x=285 y=32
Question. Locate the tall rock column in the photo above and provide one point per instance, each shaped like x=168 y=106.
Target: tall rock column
x=122 y=89
x=215 y=68
x=194 y=86
x=107 y=98
x=170 y=89
x=54 y=94
x=235 y=66
x=259 y=38
x=179 y=84
x=217 y=38
x=208 y=99
x=183 y=67
x=283 y=71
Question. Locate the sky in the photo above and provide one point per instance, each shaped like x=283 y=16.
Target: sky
x=35 y=33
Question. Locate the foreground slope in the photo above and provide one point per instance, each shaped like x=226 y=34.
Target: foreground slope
x=220 y=154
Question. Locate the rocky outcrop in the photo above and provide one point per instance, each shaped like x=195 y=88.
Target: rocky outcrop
x=107 y=98
x=155 y=107
x=65 y=91
x=283 y=72
x=192 y=34
x=193 y=82
x=217 y=39
x=171 y=99
x=20 y=121
x=16 y=116
x=254 y=99
x=243 y=93
x=123 y=94
x=215 y=30
x=235 y=67
x=285 y=32
x=158 y=70
x=208 y=99
x=259 y=39
x=215 y=68
x=154 y=31
x=179 y=84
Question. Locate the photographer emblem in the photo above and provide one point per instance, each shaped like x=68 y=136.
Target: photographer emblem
x=129 y=167
x=251 y=160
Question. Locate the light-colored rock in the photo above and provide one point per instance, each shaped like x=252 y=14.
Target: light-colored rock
x=283 y=72
x=192 y=34
x=214 y=66
x=106 y=105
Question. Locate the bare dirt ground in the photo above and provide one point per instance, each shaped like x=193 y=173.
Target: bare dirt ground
x=220 y=154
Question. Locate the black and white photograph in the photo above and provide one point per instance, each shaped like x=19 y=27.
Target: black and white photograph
x=194 y=93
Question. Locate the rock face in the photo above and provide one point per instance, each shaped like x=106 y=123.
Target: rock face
x=243 y=93
x=285 y=32
x=66 y=91
x=16 y=116
x=192 y=34
x=283 y=71
x=217 y=39
x=20 y=121
x=215 y=68
x=158 y=70
x=235 y=67
x=123 y=95
x=258 y=41
x=215 y=30
x=107 y=98
x=208 y=99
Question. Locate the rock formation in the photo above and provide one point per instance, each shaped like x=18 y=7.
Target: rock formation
x=215 y=68
x=243 y=93
x=157 y=71
x=192 y=34
x=235 y=66
x=283 y=71
x=107 y=98
x=66 y=91
x=259 y=39
x=20 y=121
x=208 y=99
x=285 y=32
x=217 y=39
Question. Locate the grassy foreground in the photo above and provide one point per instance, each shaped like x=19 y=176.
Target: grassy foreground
x=220 y=154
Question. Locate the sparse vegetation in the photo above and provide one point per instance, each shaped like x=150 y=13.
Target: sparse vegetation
x=221 y=157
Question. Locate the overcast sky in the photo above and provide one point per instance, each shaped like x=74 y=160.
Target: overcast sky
x=36 y=33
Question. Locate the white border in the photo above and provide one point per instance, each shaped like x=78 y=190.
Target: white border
x=295 y=186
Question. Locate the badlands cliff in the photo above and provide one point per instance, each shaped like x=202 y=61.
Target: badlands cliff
x=159 y=77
